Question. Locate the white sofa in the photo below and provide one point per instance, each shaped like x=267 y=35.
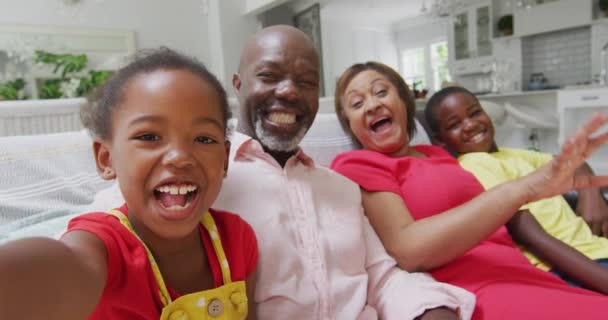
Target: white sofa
x=46 y=179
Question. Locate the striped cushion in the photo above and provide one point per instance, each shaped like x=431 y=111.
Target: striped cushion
x=46 y=173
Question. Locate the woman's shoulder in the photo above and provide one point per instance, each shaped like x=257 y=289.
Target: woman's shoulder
x=359 y=157
x=432 y=151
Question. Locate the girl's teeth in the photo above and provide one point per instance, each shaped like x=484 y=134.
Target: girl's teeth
x=175 y=190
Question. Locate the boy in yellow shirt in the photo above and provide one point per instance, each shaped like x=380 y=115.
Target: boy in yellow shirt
x=552 y=236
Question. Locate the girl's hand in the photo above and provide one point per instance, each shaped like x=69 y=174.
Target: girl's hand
x=558 y=176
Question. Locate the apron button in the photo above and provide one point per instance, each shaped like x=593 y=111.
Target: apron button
x=178 y=315
x=215 y=308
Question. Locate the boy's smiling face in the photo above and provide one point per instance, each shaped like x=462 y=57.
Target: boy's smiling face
x=168 y=150
x=463 y=125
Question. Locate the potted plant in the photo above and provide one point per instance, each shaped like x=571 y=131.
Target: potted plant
x=13 y=90
x=604 y=6
x=505 y=24
x=73 y=81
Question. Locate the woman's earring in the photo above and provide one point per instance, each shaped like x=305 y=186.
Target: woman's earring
x=107 y=171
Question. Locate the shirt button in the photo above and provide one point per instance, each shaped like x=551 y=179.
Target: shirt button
x=178 y=315
x=215 y=308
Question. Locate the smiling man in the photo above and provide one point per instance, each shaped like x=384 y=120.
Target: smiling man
x=319 y=256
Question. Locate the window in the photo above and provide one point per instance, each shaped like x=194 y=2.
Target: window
x=413 y=67
x=439 y=64
x=426 y=66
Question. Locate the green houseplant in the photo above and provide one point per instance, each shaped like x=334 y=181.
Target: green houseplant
x=71 y=81
x=13 y=90
x=505 y=24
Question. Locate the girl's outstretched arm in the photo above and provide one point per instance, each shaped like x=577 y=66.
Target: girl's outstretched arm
x=431 y=242
x=42 y=278
x=526 y=231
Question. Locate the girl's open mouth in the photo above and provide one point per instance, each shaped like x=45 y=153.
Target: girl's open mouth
x=176 y=197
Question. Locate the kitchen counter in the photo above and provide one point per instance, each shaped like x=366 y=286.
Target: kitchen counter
x=518 y=93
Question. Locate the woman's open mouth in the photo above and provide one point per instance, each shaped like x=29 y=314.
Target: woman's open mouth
x=381 y=125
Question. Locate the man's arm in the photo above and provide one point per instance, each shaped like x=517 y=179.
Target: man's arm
x=397 y=294
x=591 y=205
x=526 y=231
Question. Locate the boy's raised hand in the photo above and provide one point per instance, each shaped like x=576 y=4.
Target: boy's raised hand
x=557 y=176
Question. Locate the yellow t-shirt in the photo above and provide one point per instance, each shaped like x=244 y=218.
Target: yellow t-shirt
x=554 y=214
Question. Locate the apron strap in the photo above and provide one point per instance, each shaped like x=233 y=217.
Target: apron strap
x=208 y=222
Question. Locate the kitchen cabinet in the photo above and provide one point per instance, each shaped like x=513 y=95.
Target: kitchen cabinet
x=575 y=107
x=470 y=38
x=599 y=38
x=551 y=16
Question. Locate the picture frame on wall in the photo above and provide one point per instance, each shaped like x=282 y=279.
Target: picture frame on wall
x=309 y=21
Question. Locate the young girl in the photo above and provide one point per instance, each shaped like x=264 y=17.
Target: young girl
x=568 y=245
x=433 y=216
x=159 y=127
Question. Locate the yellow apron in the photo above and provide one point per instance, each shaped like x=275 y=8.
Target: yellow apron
x=226 y=302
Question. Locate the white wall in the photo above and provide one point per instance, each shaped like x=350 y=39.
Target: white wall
x=229 y=29
x=344 y=45
x=181 y=25
x=420 y=30
x=214 y=31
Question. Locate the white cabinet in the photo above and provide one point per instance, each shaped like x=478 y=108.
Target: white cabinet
x=471 y=38
x=599 y=38
x=575 y=107
x=551 y=16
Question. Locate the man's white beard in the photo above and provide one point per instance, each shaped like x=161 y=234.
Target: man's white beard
x=277 y=144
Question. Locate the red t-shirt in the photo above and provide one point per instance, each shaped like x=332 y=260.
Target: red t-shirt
x=131 y=291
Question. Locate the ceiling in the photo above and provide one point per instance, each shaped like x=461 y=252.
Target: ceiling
x=370 y=13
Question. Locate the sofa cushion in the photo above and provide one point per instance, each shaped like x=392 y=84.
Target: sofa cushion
x=41 y=175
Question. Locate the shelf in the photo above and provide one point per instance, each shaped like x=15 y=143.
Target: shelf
x=519 y=93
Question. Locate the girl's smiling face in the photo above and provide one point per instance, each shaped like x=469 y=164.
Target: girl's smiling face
x=376 y=114
x=168 y=150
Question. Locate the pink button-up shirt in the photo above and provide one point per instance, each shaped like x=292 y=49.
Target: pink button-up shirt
x=319 y=257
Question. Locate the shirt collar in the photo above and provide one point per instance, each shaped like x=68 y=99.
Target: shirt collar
x=247 y=149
